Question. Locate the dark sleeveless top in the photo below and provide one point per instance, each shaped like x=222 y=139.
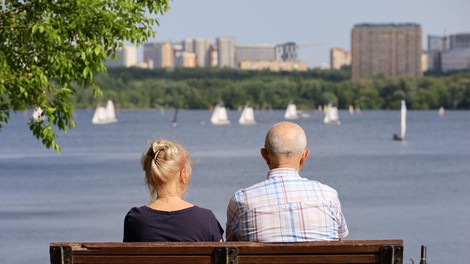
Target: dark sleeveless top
x=193 y=224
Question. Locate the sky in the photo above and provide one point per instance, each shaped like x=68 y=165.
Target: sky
x=315 y=25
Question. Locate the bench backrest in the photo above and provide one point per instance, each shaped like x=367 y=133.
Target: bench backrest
x=346 y=251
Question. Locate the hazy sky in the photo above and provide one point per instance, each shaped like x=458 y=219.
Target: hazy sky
x=322 y=24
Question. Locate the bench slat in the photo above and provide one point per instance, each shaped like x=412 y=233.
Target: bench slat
x=116 y=259
x=245 y=259
x=203 y=248
x=346 y=251
x=297 y=259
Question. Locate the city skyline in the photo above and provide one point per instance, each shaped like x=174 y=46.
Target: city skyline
x=316 y=26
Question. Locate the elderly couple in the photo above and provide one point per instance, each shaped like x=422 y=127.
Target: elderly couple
x=282 y=208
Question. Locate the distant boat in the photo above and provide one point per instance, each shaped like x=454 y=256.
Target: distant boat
x=248 y=116
x=104 y=115
x=291 y=112
x=351 y=109
x=441 y=111
x=331 y=115
x=37 y=114
x=174 y=123
x=219 y=115
x=402 y=122
x=358 y=110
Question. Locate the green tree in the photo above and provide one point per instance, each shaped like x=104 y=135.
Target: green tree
x=46 y=45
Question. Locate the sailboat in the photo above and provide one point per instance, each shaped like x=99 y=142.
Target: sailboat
x=104 y=115
x=291 y=112
x=248 y=116
x=331 y=115
x=441 y=111
x=351 y=109
x=219 y=115
x=402 y=123
x=37 y=114
x=174 y=123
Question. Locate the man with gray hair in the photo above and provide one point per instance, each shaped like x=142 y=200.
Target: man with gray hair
x=285 y=207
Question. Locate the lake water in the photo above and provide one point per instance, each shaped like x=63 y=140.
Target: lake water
x=417 y=190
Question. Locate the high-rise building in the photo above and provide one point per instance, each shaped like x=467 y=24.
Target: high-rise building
x=254 y=52
x=213 y=56
x=188 y=45
x=126 y=57
x=226 y=52
x=287 y=51
x=436 y=44
x=387 y=49
x=455 y=59
x=201 y=49
x=458 y=41
x=449 y=53
x=339 y=57
x=158 y=54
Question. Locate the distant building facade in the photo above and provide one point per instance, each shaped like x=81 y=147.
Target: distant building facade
x=287 y=52
x=387 y=49
x=126 y=57
x=339 y=57
x=159 y=55
x=455 y=60
x=200 y=52
x=255 y=52
x=201 y=48
x=226 y=47
x=436 y=45
x=424 y=62
x=449 y=53
x=273 y=65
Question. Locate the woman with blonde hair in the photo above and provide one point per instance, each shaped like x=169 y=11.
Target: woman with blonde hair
x=168 y=217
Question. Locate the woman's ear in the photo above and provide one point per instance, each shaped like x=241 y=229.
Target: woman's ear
x=182 y=177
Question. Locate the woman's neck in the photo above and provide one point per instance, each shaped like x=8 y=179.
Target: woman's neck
x=169 y=202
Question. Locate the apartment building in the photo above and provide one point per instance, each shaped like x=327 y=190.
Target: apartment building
x=126 y=57
x=339 y=57
x=386 y=49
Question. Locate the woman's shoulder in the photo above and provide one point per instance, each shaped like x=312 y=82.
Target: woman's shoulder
x=201 y=210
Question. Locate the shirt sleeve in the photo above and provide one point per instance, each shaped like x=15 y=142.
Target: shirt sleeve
x=127 y=231
x=342 y=226
x=233 y=220
x=216 y=229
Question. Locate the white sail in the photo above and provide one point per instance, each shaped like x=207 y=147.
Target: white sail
x=331 y=115
x=104 y=115
x=37 y=114
x=441 y=111
x=291 y=112
x=219 y=116
x=247 y=117
x=403 y=119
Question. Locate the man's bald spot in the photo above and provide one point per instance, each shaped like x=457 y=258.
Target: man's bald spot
x=285 y=138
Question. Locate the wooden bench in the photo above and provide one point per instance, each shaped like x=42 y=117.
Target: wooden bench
x=346 y=251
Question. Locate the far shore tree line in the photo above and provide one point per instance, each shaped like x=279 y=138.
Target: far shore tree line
x=200 y=88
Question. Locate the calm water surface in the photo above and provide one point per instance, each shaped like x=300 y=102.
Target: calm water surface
x=417 y=190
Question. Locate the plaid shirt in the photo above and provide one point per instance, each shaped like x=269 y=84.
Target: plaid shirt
x=285 y=208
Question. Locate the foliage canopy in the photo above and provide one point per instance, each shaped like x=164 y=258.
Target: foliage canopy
x=48 y=45
x=200 y=88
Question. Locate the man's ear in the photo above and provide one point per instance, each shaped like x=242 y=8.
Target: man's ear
x=264 y=154
x=304 y=157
